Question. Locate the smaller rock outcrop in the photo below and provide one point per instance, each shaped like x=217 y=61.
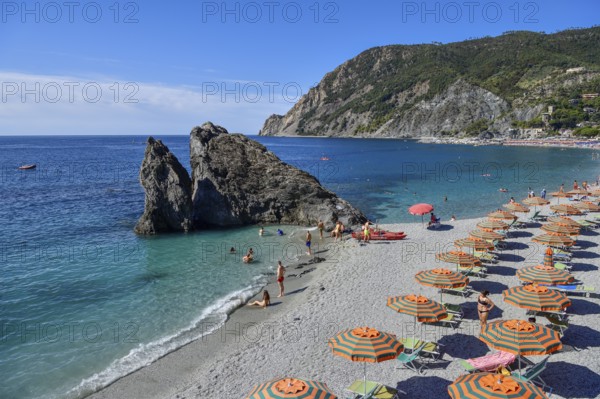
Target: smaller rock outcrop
x=168 y=205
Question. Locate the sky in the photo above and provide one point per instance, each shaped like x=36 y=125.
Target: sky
x=160 y=68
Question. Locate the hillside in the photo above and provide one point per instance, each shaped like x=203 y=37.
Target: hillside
x=491 y=86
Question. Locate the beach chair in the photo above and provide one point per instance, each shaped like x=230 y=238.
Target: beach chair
x=562 y=266
x=532 y=374
x=486 y=257
x=410 y=360
x=479 y=271
x=557 y=324
x=451 y=320
x=585 y=225
x=374 y=390
x=429 y=349
x=464 y=291
x=537 y=217
x=453 y=309
x=581 y=289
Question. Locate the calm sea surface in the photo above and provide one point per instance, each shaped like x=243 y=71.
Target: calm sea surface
x=83 y=300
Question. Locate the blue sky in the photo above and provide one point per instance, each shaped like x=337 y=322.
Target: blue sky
x=152 y=67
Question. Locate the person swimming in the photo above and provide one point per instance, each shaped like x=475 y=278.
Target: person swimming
x=503 y=190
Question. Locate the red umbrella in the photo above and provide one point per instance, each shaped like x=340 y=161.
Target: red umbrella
x=420 y=209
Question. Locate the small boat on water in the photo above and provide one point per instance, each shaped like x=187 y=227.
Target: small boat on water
x=381 y=235
x=27 y=167
x=324 y=159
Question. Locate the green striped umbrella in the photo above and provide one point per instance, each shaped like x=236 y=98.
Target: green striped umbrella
x=520 y=338
x=459 y=258
x=560 y=229
x=493 y=386
x=422 y=308
x=516 y=207
x=441 y=278
x=536 y=297
x=367 y=345
x=563 y=220
x=544 y=275
x=587 y=206
x=288 y=388
x=565 y=209
x=486 y=235
x=553 y=240
x=492 y=225
x=501 y=215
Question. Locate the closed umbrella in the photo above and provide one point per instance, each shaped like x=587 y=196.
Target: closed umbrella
x=549 y=257
x=420 y=209
x=544 y=275
x=291 y=388
x=367 y=345
x=493 y=386
x=536 y=297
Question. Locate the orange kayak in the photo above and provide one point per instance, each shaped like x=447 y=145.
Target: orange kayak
x=380 y=235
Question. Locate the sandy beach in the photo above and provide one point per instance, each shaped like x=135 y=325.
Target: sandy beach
x=350 y=290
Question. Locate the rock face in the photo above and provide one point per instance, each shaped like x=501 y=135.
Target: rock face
x=168 y=206
x=237 y=181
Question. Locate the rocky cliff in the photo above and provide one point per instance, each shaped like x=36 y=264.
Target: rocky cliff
x=469 y=88
x=168 y=205
x=235 y=181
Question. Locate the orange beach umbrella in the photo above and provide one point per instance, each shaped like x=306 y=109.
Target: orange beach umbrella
x=553 y=240
x=459 y=258
x=565 y=209
x=544 y=275
x=492 y=225
x=563 y=220
x=486 y=235
x=536 y=297
x=420 y=209
x=290 y=388
x=477 y=245
x=561 y=229
x=520 y=337
x=501 y=215
x=493 y=386
x=587 y=206
x=516 y=207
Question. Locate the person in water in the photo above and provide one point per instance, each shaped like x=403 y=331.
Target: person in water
x=261 y=232
x=232 y=250
x=279 y=232
x=484 y=305
x=266 y=301
x=280 y=278
x=453 y=218
x=249 y=256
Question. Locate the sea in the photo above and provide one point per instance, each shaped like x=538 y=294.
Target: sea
x=84 y=301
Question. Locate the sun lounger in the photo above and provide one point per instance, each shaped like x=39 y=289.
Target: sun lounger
x=479 y=271
x=489 y=362
x=532 y=374
x=409 y=360
x=557 y=324
x=374 y=390
x=584 y=290
x=464 y=291
x=428 y=348
x=562 y=266
x=537 y=217
x=453 y=309
x=451 y=320
x=486 y=257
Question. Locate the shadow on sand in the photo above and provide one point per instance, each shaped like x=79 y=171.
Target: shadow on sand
x=436 y=387
x=571 y=380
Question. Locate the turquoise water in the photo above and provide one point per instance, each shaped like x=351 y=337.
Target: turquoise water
x=83 y=300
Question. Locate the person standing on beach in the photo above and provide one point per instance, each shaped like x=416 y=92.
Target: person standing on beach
x=308 y=242
x=280 y=278
x=366 y=232
x=562 y=188
x=320 y=226
x=575 y=185
x=484 y=305
x=543 y=193
x=341 y=230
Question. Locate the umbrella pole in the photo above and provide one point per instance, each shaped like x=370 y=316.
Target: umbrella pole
x=365 y=365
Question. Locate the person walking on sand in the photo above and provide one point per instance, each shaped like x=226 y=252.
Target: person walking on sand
x=266 y=301
x=366 y=232
x=280 y=278
x=543 y=193
x=484 y=305
x=320 y=226
x=308 y=242
x=335 y=232
x=341 y=231
x=575 y=185
x=562 y=188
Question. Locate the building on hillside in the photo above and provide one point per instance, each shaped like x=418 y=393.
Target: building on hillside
x=589 y=96
x=576 y=70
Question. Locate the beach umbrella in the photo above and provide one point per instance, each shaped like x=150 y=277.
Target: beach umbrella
x=565 y=209
x=549 y=257
x=492 y=225
x=493 y=386
x=290 y=388
x=560 y=229
x=420 y=209
x=553 y=240
x=536 y=297
x=595 y=193
x=459 y=258
x=421 y=307
x=520 y=338
x=563 y=220
x=475 y=244
x=544 y=275
x=587 y=206
x=441 y=278
x=486 y=235
x=560 y=194
x=366 y=345
x=501 y=215
x=535 y=202
x=516 y=207
x=578 y=191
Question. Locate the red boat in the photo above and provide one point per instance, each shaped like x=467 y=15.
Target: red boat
x=26 y=167
x=380 y=235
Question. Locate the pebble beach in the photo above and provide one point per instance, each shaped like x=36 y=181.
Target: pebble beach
x=349 y=289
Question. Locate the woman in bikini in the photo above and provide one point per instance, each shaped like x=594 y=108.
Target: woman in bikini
x=484 y=305
x=266 y=301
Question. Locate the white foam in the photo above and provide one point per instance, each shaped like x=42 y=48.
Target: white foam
x=145 y=354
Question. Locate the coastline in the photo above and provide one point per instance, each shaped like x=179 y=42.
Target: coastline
x=290 y=338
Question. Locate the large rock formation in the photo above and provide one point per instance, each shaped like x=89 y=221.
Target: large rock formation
x=235 y=181
x=167 y=184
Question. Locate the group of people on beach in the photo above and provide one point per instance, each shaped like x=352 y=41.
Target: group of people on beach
x=266 y=298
